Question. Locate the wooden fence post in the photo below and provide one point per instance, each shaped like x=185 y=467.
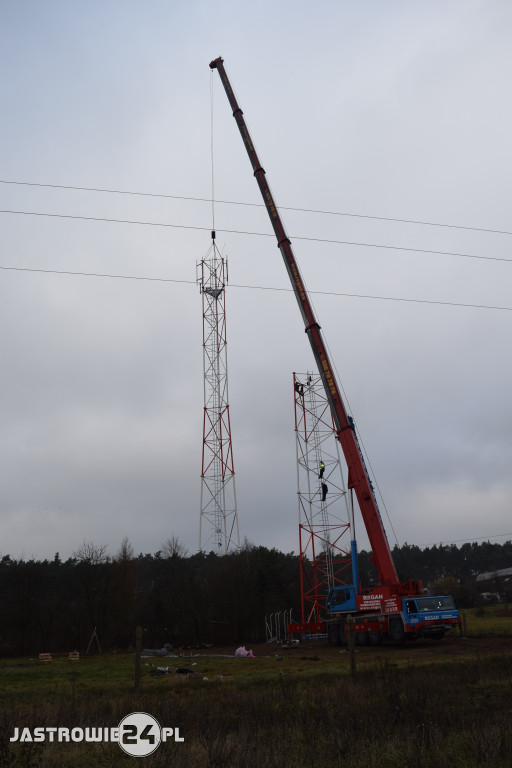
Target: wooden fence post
x=138 y=646
x=351 y=644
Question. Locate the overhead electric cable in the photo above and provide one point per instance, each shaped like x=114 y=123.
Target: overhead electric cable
x=255 y=287
x=98 y=274
x=260 y=205
x=462 y=541
x=259 y=234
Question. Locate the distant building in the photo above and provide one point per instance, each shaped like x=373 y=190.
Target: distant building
x=501 y=574
x=492 y=597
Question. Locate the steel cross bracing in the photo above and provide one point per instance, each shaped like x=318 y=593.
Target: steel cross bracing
x=218 y=525
x=325 y=559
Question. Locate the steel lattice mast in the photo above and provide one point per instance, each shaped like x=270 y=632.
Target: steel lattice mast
x=218 y=525
x=324 y=519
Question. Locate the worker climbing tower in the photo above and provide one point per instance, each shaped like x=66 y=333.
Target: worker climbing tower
x=218 y=525
x=324 y=506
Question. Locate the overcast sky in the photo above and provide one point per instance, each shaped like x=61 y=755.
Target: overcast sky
x=393 y=110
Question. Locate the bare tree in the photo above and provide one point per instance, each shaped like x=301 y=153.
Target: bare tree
x=126 y=551
x=172 y=548
x=94 y=554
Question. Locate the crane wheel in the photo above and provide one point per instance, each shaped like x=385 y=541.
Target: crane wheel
x=333 y=634
x=396 y=630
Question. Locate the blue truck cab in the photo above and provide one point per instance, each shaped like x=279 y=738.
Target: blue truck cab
x=342 y=599
x=430 y=615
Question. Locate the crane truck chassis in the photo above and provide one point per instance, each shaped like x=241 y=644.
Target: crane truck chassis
x=395 y=609
x=377 y=617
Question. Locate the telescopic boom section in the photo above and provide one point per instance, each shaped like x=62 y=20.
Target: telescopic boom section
x=358 y=476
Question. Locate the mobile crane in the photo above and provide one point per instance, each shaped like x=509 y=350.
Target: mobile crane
x=394 y=609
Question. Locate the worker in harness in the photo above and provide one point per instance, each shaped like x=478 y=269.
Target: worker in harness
x=322 y=470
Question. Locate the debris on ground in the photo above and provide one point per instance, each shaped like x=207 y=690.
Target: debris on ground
x=154 y=671
x=165 y=651
x=242 y=653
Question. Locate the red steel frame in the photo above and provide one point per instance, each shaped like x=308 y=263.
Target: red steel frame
x=324 y=560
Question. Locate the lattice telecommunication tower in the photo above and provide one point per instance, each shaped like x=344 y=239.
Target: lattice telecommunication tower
x=325 y=508
x=218 y=525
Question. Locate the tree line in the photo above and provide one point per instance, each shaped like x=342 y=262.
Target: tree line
x=188 y=600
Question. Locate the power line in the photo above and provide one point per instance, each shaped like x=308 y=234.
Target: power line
x=463 y=541
x=260 y=205
x=255 y=287
x=258 y=234
x=99 y=274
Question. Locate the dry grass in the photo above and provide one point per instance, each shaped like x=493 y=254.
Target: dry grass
x=300 y=712
x=491 y=620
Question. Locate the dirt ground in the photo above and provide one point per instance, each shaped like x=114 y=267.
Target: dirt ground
x=449 y=646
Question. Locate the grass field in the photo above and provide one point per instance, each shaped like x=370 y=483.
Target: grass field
x=492 y=620
x=428 y=704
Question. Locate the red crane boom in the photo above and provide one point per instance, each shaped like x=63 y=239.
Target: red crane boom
x=358 y=475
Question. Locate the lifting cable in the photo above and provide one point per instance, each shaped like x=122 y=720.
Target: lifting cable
x=211 y=153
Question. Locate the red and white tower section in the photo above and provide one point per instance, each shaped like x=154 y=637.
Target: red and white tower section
x=325 y=509
x=218 y=525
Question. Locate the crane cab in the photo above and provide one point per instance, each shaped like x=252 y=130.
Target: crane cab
x=341 y=599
